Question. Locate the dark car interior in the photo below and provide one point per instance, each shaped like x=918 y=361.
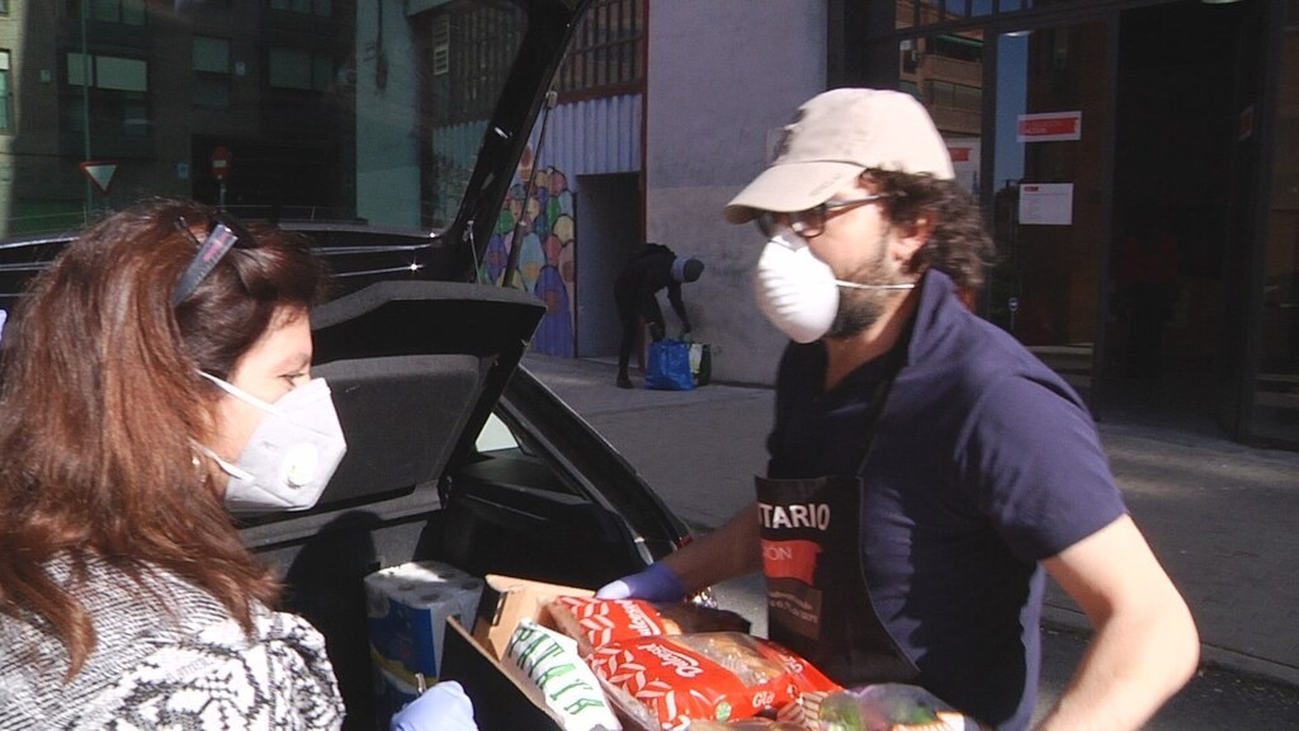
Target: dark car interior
x=455 y=452
x=416 y=369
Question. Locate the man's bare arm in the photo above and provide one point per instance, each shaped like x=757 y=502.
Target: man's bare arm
x=730 y=551
x=1145 y=645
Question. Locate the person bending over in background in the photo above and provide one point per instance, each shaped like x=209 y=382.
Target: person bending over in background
x=635 y=291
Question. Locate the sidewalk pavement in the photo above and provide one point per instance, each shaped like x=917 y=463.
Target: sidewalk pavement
x=1218 y=514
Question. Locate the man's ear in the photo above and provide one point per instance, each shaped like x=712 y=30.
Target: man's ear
x=911 y=240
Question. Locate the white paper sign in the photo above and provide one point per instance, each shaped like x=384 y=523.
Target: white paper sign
x=1046 y=204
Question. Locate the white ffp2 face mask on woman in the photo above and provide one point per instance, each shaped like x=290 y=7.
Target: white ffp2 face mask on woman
x=797 y=291
x=292 y=453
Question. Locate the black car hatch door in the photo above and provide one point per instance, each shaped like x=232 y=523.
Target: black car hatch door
x=415 y=368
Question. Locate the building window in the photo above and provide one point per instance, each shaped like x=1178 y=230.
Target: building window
x=441 y=46
x=323 y=8
x=470 y=49
x=920 y=13
x=210 y=62
x=606 y=50
x=118 y=89
x=109 y=72
x=126 y=12
x=4 y=7
x=959 y=47
x=6 y=94
x=297 y=69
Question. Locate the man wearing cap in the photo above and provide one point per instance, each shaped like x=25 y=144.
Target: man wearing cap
x=926 y=471
x=636 y=290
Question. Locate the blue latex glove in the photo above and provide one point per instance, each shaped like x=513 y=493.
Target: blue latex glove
x=655 y=584
x=444 y=707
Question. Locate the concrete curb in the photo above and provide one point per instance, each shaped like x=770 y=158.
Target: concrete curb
x=1073 y=621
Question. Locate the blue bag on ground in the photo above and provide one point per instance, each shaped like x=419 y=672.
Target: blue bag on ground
x=668 y=366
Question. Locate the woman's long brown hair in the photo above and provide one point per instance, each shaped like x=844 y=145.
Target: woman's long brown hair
x=101 y=407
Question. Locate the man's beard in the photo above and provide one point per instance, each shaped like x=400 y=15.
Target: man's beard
x=859 y=309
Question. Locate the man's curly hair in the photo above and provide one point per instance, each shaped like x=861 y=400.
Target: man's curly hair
x=959 y=245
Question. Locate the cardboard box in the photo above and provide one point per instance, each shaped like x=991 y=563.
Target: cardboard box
x=501 y=702
x=506 y=600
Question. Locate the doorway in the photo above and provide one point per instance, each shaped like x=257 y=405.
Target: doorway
x=1049 y=193
x=608 y=228
x=1175 y=124
x=1114 y=179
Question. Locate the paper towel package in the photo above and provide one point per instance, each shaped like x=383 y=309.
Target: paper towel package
x=407 y=608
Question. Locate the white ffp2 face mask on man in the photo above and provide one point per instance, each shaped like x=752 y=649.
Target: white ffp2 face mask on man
x=290 y=456
x=797 y=291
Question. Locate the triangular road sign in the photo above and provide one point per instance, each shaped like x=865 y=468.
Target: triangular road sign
x=100 y=173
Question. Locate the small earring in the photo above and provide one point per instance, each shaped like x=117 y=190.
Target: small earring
x=198 y=467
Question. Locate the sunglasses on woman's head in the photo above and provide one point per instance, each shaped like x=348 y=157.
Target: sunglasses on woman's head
x=226 y=232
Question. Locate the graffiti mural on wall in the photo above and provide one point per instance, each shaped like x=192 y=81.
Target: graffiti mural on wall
x=544 y=228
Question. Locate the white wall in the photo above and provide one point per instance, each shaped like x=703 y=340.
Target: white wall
x=721 y=74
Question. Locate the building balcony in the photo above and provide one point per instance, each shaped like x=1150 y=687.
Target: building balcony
x=941 y=68
x=950 y=120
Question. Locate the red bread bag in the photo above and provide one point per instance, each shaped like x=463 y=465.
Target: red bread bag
x=717 y=676
x=595 y=622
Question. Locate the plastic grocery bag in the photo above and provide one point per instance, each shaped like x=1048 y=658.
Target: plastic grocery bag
x=890 y=707
x=668 y=367
x=701 y=363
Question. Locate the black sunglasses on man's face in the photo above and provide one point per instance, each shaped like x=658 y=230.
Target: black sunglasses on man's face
x=811 y=222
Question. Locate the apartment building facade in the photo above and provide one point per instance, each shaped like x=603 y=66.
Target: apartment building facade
x=1084 y=129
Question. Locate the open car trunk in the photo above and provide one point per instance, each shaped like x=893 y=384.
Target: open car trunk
x=456 y=455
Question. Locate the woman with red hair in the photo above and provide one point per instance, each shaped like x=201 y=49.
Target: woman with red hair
x=146 y=374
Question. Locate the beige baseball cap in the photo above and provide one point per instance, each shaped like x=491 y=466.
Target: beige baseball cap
x=833 y=138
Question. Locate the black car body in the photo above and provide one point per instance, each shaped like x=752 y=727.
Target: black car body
x=424 y=364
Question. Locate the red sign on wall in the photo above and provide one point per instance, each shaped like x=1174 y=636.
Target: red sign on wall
x=221 y=162
x=1050 y=127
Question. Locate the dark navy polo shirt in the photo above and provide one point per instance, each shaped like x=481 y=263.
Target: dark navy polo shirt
x=984 y=462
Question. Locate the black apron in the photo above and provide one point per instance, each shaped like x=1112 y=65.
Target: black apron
x=818 y=600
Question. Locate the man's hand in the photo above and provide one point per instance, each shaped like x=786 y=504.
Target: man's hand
x=655 y=584
x=732 y=550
